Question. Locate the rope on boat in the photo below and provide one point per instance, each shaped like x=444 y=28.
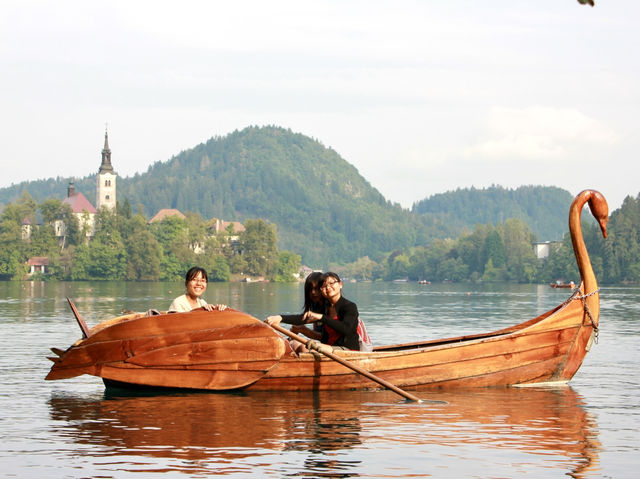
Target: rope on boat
x=586 y=308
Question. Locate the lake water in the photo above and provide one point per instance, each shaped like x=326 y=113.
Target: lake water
x=74 y=428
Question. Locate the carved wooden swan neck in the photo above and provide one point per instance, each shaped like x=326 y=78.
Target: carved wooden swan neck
x=600 y=211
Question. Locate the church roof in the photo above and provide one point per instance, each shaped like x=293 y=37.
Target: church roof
x=165 y=213
x=79 y=203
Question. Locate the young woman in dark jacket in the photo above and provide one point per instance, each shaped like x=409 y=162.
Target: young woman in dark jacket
x=340 y=317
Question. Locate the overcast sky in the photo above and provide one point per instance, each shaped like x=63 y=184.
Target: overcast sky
x=421 y=97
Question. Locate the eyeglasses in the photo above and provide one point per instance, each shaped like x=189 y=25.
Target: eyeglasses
x=329 y=283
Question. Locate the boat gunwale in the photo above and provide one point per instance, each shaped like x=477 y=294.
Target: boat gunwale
x=386 y=350
x=479 y=336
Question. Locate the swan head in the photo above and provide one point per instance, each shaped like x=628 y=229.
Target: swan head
x=599 y=210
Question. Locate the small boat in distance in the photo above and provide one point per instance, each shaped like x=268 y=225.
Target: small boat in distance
x=559 y=284
x=226 y=350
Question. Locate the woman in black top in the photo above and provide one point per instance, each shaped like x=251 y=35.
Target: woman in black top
x=339 y=318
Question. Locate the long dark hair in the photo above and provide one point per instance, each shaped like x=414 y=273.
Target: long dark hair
x=193 y=272
x=313 y=281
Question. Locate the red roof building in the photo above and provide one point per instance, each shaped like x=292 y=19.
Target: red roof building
x=165 y=213
x=78 y=202
x=81 y=207
x=38 y=264
x=221 y=226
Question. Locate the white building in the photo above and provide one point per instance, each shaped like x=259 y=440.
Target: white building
x=542 y=250
x=106 y=184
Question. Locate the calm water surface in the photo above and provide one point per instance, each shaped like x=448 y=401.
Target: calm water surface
x=74 y=428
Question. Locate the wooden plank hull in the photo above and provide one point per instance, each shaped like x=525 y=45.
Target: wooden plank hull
x=549 y=349
x=220 y=351
x=197 y=350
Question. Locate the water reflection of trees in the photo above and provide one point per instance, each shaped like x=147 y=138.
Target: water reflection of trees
x=323 y=431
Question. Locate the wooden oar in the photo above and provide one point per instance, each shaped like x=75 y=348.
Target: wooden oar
x=353 y=367
x=81 y=323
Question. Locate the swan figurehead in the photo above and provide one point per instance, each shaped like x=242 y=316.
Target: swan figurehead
x=600 y=210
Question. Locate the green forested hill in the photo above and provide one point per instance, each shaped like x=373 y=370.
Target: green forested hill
x=543 y=208
x=322 y=207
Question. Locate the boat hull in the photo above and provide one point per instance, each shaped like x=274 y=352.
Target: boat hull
x=550 y=348
x=218 y=351
x=215 y=350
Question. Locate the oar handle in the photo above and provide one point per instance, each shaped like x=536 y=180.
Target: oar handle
x=81 y=322
x=349 y=365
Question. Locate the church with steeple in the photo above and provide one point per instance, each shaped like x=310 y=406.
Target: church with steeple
x=106 y=184
x=82 y=208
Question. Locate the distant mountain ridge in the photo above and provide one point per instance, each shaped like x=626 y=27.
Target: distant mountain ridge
x=543 y=208
x=323 y=208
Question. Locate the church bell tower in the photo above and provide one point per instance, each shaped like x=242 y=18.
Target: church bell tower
x=106 y=191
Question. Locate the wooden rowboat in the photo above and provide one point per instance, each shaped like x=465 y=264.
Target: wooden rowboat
x=233 y=350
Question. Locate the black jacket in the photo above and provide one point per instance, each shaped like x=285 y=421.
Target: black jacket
x=346 y=324
x=297 y=318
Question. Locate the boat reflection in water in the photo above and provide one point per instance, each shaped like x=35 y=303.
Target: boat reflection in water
x=335 y=433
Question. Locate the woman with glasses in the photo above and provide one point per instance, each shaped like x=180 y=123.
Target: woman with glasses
x=340 y=316
x=196 y=283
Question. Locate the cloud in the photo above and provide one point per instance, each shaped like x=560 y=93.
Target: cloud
x=538 y=133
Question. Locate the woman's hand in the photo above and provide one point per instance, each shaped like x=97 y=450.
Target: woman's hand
x=215 y=307
x=273 y=320
x=311 y=317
